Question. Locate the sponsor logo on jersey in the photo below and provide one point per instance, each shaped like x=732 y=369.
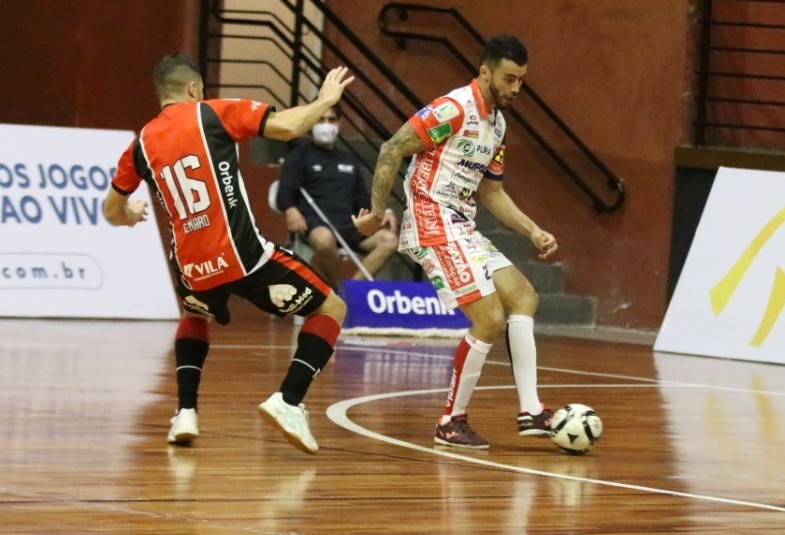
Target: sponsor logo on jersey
x=471 y=133
x=424 y=112
x=281 y=293
x=496 y=166
x=423 y=170
x=196 y=223
x=466 y=146
x=440 y=132
x=445 y=112
x=287 y=299
x=472 y=166
x=427 y=216
x=437 y=282
x=345 y=168
x=458 y=272
x=457 y=217
x=206 y=269
x=463 y=178
x=428 y=266
x=227 y=181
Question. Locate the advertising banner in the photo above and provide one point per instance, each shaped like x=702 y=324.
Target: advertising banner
x=731 y=292
x=58 y=255
x=398 y=305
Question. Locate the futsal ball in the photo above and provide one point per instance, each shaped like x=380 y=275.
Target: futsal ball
x=575 y=428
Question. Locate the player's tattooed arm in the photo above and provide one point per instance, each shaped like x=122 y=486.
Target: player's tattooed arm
x=404 y=142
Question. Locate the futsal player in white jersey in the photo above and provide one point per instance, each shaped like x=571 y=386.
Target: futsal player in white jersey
x=458 y=157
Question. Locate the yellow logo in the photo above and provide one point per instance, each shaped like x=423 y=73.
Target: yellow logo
x=723 y=291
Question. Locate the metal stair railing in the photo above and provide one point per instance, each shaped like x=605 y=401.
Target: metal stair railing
x=305 y=62
x=728 y=31
x=613 y=182
x=285 y=43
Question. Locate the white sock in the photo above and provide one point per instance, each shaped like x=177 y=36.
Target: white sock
x=467 y=365
x=523 y=356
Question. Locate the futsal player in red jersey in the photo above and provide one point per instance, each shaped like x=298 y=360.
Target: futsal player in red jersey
x=188 y=155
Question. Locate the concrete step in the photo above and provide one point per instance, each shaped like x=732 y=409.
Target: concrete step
x=545 y=277
x=564 y=309
x=548 y=278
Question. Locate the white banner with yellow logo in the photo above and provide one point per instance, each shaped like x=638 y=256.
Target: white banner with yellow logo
x=731 y=293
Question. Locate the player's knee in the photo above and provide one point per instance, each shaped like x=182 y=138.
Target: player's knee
x=335 y=307
x=527 y=300
x=192 y=326
x=498 y=323
x=323 y=247
x=322 y=240
x=531 y=299
x=523 y=299
x=489 y=326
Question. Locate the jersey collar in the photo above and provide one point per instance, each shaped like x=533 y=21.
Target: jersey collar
x=478 y=98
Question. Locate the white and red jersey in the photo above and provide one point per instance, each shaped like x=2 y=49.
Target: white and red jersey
x=464 y=143
x=188 y=155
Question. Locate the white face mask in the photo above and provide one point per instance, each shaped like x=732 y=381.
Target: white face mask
x=324 y=133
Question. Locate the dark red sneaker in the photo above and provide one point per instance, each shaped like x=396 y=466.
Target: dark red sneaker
x=458 y=434
x=534 y=424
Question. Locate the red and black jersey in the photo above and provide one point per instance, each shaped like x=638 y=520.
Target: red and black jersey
x=188 y=155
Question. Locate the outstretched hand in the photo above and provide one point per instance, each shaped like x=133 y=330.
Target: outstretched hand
x=334 y=84
x=545 y=242
x=366 y=222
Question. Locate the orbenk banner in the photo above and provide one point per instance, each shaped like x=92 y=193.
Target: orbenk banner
x=58 y=255
x=399 y=308
x=730 y=296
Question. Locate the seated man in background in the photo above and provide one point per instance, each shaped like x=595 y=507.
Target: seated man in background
x=332 y=178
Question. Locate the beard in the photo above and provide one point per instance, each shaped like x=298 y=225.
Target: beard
x=497 y=97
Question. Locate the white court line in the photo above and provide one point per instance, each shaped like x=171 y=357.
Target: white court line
x=449 y=357
x=573 y=372
x=337 y=413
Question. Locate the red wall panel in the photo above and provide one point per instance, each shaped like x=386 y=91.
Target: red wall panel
x=88 y=63
x=617 y=71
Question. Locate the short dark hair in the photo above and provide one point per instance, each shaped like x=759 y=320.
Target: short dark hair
x=173 y=73
x=501 y=47
x=337 y=110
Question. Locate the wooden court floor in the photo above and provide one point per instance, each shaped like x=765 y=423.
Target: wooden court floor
x=691 y=445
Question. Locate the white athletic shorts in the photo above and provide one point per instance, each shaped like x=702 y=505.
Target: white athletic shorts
x=461 y=270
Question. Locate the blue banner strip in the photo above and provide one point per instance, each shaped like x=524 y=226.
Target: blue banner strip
x=409 y=305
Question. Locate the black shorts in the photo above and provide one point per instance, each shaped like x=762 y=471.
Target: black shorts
x=285 y=285
x=348 y=232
